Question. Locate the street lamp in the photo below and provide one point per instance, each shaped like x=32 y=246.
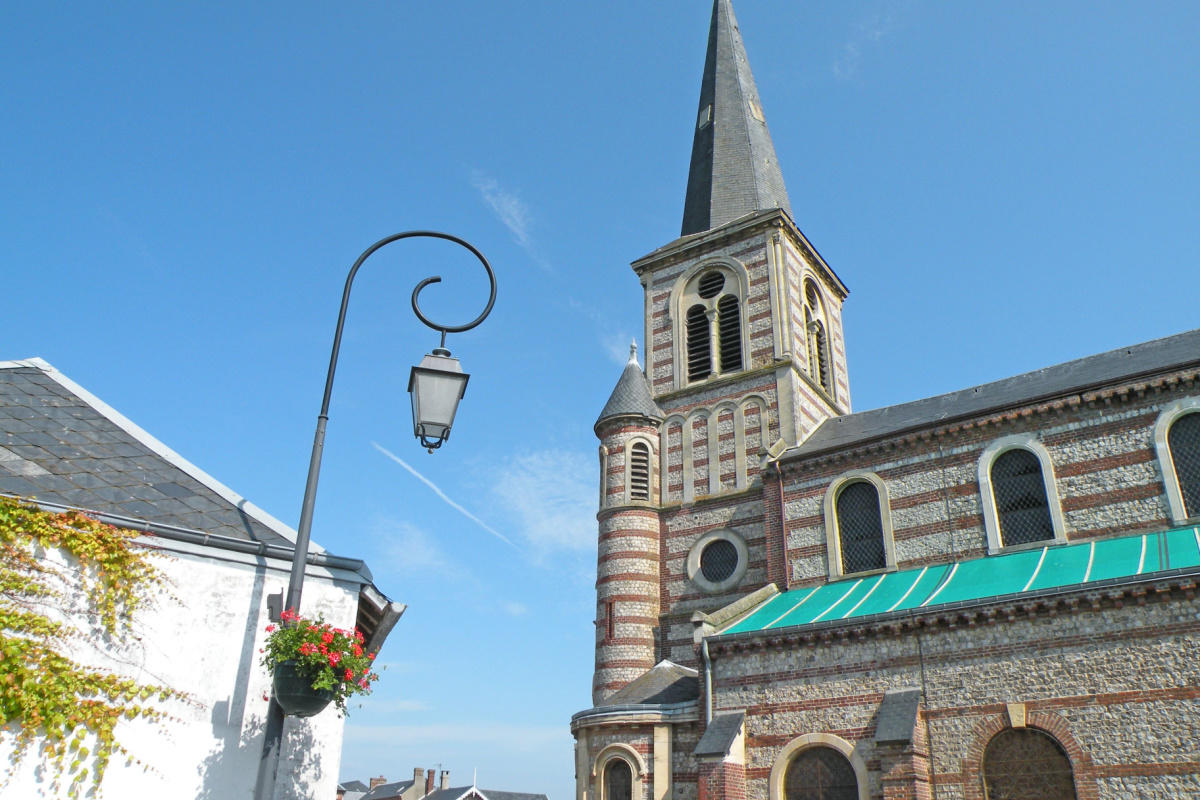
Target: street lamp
x=436 y=386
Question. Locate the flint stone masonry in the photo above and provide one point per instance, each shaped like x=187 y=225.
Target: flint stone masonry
x=1111 y=673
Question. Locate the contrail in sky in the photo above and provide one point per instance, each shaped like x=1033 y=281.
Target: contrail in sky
x=442 y=495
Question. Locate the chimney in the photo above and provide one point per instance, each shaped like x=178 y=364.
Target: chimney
x=429 y=781
x=380 y=781
x=418 y=779
x=445 y=779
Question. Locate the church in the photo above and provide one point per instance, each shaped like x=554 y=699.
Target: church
x=984 y=594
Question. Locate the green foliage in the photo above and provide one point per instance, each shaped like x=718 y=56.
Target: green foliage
x=331 y=657
x=45 y=696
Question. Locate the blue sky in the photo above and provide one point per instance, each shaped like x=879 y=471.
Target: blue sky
x=183 y=187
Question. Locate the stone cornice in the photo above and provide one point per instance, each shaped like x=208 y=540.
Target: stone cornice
x=696 y=245
x=636 y=714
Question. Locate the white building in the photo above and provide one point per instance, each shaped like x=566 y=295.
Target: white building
x=226 y=561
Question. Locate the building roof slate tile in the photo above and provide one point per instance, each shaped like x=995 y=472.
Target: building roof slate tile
x=1125 y=363
x=60 y=445
x=631 y=395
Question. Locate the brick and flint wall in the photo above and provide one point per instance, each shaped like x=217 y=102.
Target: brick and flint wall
x=1114 y=677
x=627 y=572
x=1101 y=443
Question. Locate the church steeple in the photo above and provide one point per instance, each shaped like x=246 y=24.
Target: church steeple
x=734 y=170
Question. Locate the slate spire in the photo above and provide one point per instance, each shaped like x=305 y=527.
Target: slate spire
x=632 y=394
x=734 y=171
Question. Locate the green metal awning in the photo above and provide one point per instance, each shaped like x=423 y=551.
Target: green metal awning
x=1028 y=571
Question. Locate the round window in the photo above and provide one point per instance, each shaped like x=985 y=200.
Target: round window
x=719 y=560
x=711 y=285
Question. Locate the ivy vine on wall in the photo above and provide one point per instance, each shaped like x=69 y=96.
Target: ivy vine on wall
x=50 y=607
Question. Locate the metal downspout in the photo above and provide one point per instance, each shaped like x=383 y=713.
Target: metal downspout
x=708 y=705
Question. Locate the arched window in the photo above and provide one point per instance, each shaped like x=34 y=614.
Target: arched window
x=1027 y=764
x=710 y=314
x=639 y=471
x=820 y=773
x=860 y=528
x=618 y=780
x=818 y=340
x=1022 y=508
x=1183 y=440
x=699 y=344
x=858 y=524
x=729 y=328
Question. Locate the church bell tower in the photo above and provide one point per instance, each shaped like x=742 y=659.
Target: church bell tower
x=744 y=354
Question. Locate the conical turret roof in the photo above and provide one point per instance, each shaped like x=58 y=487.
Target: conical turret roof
x=734 y=170
x=631 y=395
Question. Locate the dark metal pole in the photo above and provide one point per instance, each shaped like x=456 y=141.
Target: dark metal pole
x=269 y=763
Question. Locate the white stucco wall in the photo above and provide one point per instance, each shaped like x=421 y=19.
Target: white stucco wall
x=206 y=642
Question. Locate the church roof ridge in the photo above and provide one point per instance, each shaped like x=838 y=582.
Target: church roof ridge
x=1123 y=363
x=631 y=396
x=733 y=169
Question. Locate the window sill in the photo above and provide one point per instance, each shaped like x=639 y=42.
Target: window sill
x=858 y=575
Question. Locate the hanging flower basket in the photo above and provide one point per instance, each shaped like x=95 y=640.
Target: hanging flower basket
x=295 y=694
x=314 y=664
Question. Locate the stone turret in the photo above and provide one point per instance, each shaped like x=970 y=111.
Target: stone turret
x=627 y=605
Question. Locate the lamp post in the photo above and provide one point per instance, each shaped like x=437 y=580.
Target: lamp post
x=436 y=386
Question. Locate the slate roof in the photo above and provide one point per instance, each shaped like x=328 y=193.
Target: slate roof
x=355 y=786
x=60 y=444
x=898 y=715
x=1160 y=355
x=492 y=794
x=631 y=395
x=665 y=683
x=734 y=170
x=388 y=790
x=489 y=794
x=720 y=735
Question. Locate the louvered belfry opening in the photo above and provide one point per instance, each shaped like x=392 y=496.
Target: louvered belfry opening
x=1026 y=764
x=860 y=528
x=639 y=472
x=818 y=340
x=718 y=561
x=618 y=780
x=820 y=773
x=1183 y=439
x=699 y=344
x=729 y=328
x=1021 y=502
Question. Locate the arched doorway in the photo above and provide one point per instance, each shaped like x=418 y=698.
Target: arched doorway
x=820 y=773
x=1027 y=764
x=618 y=780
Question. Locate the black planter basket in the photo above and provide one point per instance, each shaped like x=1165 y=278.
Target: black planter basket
x=295 y=694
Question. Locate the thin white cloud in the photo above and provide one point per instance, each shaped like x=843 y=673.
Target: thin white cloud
x=514 y=609
x=511 y=211
x=869 y=31
x=551 y=496
x=444 y=497
x=616 y=347
x=410 y=551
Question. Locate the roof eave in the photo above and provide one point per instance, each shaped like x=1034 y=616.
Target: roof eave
x=941 y=609
x=800 y=453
